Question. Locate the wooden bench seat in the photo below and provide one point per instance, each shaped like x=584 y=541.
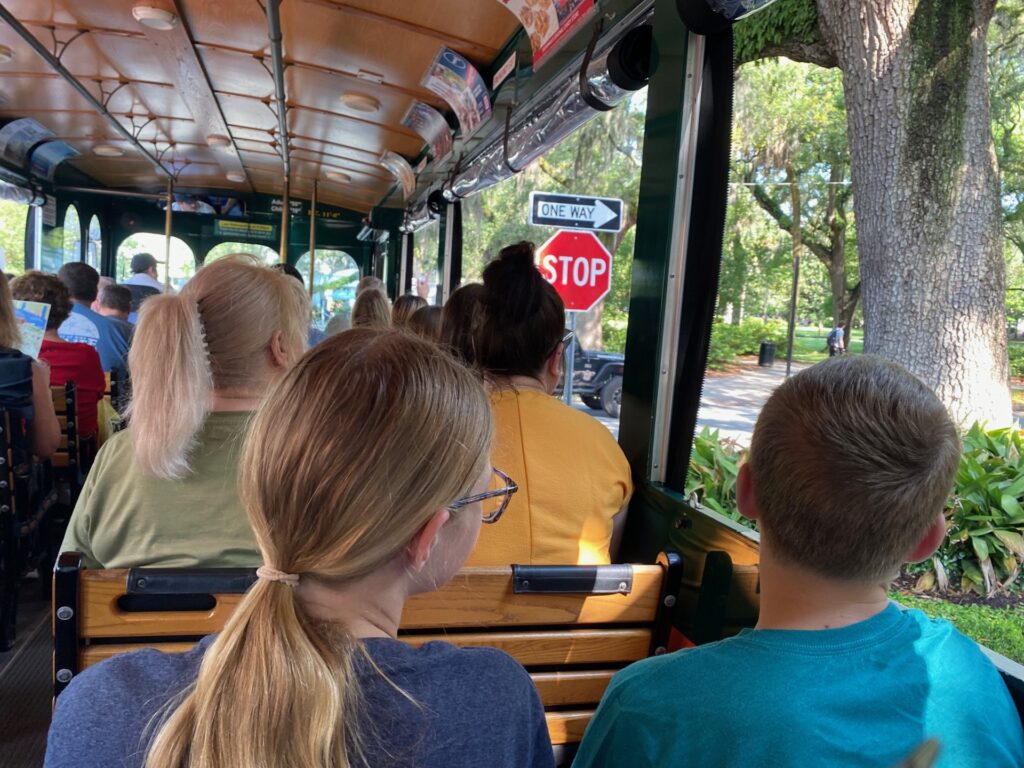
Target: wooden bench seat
x=572 y=627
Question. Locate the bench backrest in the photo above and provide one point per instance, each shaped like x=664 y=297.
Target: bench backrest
x=572 y=627
x=65 y=401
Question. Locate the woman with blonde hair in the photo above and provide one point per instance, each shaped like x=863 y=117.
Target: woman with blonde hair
x=404 y=308
x=371 y=310
x=24 y=382
x=350 y=521
x=163 y=492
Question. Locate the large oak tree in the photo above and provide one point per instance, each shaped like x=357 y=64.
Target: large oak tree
x=926 y=191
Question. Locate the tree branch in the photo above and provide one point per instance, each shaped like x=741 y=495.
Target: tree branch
x=547 y=170
x=785 y=223
x=810 y=52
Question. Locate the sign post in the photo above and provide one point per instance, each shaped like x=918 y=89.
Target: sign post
x=580 y=269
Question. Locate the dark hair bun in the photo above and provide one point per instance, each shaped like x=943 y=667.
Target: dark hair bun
x=523 y=315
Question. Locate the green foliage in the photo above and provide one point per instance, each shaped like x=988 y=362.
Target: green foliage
x=984 y=546
x=13 y=217
x=730 y=341
x=1016 y=350
x=1001 y=629
x=785 y=22
x=711 y=478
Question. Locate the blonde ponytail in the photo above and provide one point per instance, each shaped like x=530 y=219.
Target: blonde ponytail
x=410 y=431
x=213 y=336
x=268 y=653
x=171 y=384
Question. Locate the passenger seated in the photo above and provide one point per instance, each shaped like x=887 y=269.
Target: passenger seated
x=459 y=318
x=574 y=480
x=404 y=308
x=351 y=520
x=850 y=466
x=371 y=310
x=24 y=382
x=88 y=327
x=115 y=304
x=163 y=492
x=426 y=323
x=370 y=283
x=68 y=360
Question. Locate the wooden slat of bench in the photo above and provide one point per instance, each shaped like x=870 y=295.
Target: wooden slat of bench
x=579 y=646
x=559 y=689
x=582 y=646
x=484 y=597
x=568 y=727
x=59 y=460
x=60 y=400
x=481 y=598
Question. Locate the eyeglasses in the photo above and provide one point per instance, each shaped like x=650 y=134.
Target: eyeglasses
x=564 y=341
x=493 y=501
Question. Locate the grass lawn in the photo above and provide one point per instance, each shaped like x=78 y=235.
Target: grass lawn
x=809 y=344
x=1001 y=629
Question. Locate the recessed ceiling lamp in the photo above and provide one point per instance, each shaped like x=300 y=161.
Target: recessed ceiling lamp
x=6 y=54
x=217 y=140
x=237 y=178
x=342 y=178
x=360 y=102
x=155 y=18
x=107 y=150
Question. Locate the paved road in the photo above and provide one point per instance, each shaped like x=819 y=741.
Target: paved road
x=729 y=404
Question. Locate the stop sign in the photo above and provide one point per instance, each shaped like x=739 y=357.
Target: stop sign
x=578 y=266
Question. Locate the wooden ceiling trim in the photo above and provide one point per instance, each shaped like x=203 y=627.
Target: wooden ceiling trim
x=175 y=49
x=52 y=26
x=378 y=169
x=337 y=164
x=415 y=93
x=340 y=145
x=471 y=48
x=395 y=129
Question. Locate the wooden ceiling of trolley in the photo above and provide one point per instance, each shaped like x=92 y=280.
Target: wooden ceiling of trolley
x=211 y=76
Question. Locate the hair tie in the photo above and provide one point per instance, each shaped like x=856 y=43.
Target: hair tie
x=269 y=573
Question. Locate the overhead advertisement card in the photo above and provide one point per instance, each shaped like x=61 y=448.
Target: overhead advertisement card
x=457 y=81
x=32 y=316
x=549 y=23
x=18 y=137
x=431 y=125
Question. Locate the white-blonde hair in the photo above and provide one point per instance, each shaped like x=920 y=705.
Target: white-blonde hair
x=213 y=336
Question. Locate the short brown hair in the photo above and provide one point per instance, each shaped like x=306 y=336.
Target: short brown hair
x=116 y=297
x=47 y=289
x=851 y=461
x=371 y=310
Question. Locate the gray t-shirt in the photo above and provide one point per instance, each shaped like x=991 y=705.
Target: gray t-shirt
x=475 y=707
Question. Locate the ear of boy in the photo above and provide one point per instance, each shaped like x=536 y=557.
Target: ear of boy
x=426 y=538
x=745 y=500
x=930 y=542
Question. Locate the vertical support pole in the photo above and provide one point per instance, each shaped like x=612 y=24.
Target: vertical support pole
x=167 y=234
x=570 y=365
x=312 y=238
x=34 y=237
x=410 y=263
x=454 y=260
x=442 y=256
x=403 y=266
x=794 y=296
x=286 y=204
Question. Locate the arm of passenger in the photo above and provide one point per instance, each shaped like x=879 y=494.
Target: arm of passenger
x=603 y=745
x=45 y=437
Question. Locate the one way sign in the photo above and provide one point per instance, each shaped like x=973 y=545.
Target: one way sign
x=551 y=209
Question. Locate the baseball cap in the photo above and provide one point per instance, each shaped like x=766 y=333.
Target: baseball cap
x=143 y=261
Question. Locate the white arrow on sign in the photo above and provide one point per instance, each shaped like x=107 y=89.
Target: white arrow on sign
x=597 y=214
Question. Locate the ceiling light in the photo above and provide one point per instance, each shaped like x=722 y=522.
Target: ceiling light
x=6 y=54
x=360 y=102
x=107 y=150
x=217 y=140
x=338 y=176
x=237 y=178
x=155 y=18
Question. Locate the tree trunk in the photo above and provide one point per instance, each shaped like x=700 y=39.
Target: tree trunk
x=926 y=194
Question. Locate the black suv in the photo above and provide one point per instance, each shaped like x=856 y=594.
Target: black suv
x=597 y=379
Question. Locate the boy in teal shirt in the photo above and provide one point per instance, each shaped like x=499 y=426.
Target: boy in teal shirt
x=849 y=468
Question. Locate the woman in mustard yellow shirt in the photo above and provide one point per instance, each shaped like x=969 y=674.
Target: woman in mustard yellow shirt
x=574 y=481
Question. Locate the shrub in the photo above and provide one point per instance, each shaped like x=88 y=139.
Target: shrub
x=730 y=341
x=711 y=478
x=984 y=546
x=1016 y=351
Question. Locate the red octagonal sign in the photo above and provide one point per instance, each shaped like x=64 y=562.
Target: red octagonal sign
x=578 y=266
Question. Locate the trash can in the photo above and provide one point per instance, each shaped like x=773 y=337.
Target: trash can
x=766 y=357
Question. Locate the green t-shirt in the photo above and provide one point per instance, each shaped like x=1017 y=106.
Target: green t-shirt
x=126 y=518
